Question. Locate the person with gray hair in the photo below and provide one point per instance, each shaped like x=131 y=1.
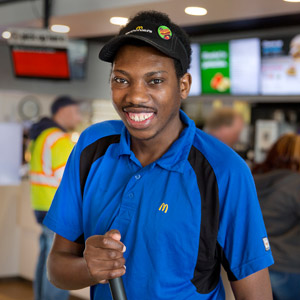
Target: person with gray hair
x=226 y=124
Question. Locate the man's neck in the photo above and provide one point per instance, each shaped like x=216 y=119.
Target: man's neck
x=148 y=151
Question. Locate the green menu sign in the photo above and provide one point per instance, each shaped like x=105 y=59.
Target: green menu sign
x=214 y=62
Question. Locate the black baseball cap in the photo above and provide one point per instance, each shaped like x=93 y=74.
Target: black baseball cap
x=60 y=102
x=158 y=36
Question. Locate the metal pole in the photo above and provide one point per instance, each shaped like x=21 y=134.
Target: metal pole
x=47 y=11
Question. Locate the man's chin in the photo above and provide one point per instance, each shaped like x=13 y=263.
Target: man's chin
x=141 y=135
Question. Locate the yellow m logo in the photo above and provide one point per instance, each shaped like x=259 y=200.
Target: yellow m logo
x=164 y=207
x=139 y=28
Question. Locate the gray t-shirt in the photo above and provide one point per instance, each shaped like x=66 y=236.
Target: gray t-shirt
x=279 y=195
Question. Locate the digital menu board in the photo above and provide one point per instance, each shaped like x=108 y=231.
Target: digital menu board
x=214 y=64
x=230 y=67
x=280 y=66
x=40 y=62
x=245 y=66
x=194 y=70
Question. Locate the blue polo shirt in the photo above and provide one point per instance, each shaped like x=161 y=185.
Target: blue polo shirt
x=180 y=217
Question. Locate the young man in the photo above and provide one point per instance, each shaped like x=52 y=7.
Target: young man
x=50 y=148
x=154 y=190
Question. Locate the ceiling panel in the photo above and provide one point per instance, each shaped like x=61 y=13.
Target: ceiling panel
x=90 y=18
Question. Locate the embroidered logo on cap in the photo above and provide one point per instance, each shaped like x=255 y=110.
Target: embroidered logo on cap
x=164 y=32
x=139 y=29
x=266 y=243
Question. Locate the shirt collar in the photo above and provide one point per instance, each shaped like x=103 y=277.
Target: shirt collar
x=175 y=158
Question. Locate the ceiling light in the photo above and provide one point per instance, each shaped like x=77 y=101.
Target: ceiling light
x=291 y=0
x=195 y=11
x=60 y=28
x=118 y=21
x=6 y=35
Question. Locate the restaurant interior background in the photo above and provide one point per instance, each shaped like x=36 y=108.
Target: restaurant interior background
x=246 y=54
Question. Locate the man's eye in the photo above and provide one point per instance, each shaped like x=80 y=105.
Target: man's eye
x=120 y=80
x=156 y=81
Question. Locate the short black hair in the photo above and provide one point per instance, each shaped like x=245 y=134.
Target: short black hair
x=162 y=18
x=62 y=101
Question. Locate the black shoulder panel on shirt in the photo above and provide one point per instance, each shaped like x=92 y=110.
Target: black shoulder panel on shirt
x=91 y=153
x=207 y=270
x=225 y=263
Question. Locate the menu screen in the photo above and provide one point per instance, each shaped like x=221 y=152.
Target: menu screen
x=244 y=66
x=40 y=62
x=214 y=63
x=280 y=69
x=231 y=67
x=194 y=70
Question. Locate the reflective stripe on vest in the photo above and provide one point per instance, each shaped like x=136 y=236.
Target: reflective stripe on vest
x=50 y=140
x=41 y=179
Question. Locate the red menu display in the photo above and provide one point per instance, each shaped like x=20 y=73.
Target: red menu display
x=41 y=62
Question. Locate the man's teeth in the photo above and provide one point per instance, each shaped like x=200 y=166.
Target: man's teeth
x=140 y=117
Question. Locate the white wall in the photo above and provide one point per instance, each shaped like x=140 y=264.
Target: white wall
x=9 y=231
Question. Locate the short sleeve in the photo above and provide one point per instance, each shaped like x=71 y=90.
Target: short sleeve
x=242 y=234
x=65 y=214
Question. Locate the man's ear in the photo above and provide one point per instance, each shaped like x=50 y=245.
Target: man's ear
x=185 y=85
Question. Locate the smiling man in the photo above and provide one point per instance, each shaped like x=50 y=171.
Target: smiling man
x=155 y=191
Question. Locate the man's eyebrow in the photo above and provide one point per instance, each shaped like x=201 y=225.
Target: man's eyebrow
x=149 y=74
x=120 y=71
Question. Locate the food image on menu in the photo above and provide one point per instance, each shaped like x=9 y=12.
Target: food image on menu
x=220 y=83
x=291 y=71
x=295 y=47
x=295 y=54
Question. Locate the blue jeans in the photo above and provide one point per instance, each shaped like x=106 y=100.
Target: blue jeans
x=285 y=286
x=43 y=289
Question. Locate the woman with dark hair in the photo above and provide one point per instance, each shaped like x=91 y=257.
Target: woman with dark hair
x=277 y=181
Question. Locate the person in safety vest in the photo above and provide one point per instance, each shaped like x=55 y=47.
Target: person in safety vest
x=50 y=148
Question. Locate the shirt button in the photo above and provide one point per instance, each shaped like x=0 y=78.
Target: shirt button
x=137 y=177
x=130 y=195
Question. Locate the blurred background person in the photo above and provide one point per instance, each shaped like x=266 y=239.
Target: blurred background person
x=277 y=181
x=226 y=124
x=50 y=148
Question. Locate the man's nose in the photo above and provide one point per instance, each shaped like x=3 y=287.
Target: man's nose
x=138 y=93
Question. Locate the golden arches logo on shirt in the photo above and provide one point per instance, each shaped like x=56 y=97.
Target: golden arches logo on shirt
x=139 y=28
x=164 y=207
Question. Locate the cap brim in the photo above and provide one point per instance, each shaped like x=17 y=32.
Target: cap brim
x=109 y=51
